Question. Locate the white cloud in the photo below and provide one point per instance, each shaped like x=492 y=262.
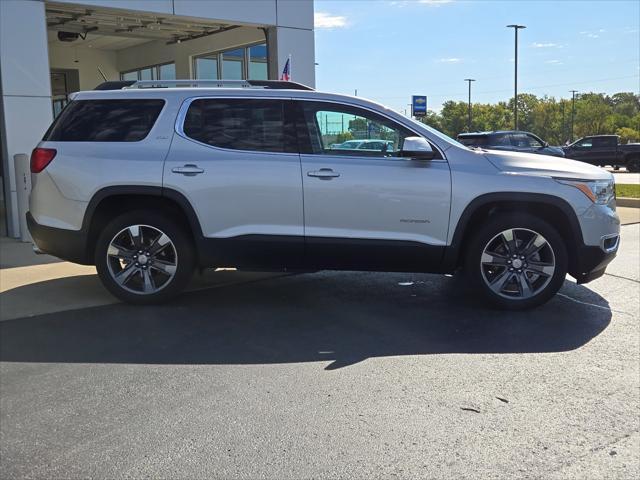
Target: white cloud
x=450 y=60
x=326 y=20
x=544 y=45
x=435 y=3
x=553 y=62
x=593 y=34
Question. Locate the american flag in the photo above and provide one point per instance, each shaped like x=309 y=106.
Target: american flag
x=286 y=71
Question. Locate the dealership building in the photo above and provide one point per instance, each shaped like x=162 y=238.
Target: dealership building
x=51 y=49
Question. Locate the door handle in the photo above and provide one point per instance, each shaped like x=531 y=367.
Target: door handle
x=323 y=174
x=189 y=170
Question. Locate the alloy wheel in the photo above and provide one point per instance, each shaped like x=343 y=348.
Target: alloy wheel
x=517 y=263
x=142 y=259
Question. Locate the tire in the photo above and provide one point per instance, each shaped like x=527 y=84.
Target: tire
x=633 y=165
x=144 y=257
x=522 y=282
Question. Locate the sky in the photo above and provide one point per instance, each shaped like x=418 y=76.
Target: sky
x=390 y=50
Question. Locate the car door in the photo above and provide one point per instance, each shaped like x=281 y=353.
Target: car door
x=581 y=150
x=236 y=162
x=369 y=209
x=604 y=151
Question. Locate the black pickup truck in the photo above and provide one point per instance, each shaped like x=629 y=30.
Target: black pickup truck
x=604 y=150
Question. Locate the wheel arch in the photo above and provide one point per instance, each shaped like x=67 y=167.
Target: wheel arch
x=629 y=158
x=112 y=201
x=552 y=209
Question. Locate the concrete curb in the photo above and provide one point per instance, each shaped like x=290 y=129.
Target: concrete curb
x=628 y=202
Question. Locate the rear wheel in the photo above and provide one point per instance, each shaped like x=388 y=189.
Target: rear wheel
x=633 y=165
x=517 y=261
x=144 y=258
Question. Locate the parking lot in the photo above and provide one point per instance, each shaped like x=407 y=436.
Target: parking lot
x=333 y=375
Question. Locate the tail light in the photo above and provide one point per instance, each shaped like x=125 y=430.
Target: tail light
x=40 y=158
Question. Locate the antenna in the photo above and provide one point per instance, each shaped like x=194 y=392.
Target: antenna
x=103 y=75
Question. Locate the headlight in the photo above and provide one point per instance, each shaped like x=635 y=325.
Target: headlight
x=598 y=191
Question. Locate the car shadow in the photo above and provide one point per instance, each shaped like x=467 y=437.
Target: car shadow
x=339 y=318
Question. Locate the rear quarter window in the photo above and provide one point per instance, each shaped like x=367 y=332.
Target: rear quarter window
x=118 y=120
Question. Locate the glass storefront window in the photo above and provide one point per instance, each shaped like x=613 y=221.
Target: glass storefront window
x=237 y=64
x=167 y=72
x=207 y=68
x=258 y=63
x=233 y=65
x=129 y=76
x=146 y=74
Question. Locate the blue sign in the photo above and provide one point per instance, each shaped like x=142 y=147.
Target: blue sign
x=418 y=105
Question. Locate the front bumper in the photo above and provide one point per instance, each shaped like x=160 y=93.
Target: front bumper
x=70 y=245
x=591 y=262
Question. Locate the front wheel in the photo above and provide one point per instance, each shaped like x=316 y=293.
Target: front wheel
x=633 y=165
x=517 y=261
x=144 y=258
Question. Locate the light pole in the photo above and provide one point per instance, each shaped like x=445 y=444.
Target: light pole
x=515 y=81
x=469 y=80
x=563 y=136
x=573 y=110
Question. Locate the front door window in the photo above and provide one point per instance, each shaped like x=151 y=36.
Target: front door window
x=344 y=130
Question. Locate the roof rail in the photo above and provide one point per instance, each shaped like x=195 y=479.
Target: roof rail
x=268 y=84
x=279 y=85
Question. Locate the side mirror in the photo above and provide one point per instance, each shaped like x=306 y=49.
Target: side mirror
x=417 y=148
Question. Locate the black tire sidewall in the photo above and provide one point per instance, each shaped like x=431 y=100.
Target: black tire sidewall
x=498 y=223
x=177 y=234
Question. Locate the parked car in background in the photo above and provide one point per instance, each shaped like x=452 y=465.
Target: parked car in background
x=604 y=150
x=378 y=145
x=348 y=145
x=511 y=140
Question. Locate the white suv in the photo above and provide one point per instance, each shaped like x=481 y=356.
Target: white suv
x=150 y=182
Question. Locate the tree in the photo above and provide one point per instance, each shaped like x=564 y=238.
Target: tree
x=593 y=115
x=628 y=135
x=547 y=117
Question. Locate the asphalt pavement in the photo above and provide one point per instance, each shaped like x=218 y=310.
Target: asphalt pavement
x=330 y=375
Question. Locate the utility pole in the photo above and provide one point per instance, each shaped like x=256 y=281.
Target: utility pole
x=469 y=80
x=515 y=80
x=573 y=110
x=563 y=132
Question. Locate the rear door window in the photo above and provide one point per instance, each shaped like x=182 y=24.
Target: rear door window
x=118 y=120
x=605 y=142
x=241 y=124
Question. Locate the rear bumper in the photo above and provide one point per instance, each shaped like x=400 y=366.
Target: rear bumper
x=70 y=245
